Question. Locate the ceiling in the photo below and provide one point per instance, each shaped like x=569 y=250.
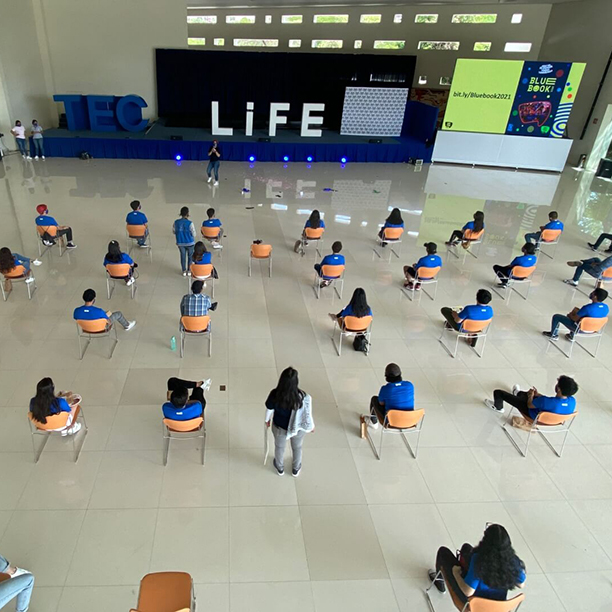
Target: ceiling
x=312 y=3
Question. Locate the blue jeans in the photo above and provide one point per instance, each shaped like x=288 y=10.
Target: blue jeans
x=25 y=261
x=21 y=143
x=589 y=266
x=213 y=166
x=563 y=320
x=39 y=148
x=186 y=252
x=533 y=237
x=19 y=587
x=143 y=240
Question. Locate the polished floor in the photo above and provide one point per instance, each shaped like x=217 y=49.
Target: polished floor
x=351 y=533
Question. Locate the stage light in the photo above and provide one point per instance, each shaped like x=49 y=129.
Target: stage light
x=309 y=158
x=286 y=158
x=252 y=158
x=178 y=158
x=343 y=160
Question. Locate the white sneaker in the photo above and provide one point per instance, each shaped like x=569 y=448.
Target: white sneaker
x=491 y=404
x=217 y=245
x=29 y=280
x=130 y=281
x=372 y=424
x=19 y=571
x=188 y=273
x=206 y=385
x=23 y=156
x=70 y=431
x=209 y=179
x=36 y=158
x=43 y=157
x=130 y=325
x=515 y=389
x=216 y=183
x=36 y=262
x=28 y=157
x=184 y=273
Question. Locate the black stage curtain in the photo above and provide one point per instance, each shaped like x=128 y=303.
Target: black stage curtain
x=188 y=80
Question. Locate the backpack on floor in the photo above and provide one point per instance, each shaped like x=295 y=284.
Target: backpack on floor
x=361 y=344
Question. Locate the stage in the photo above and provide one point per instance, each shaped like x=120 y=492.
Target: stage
x=157 y=144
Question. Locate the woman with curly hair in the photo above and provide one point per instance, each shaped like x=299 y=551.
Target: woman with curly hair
x=489 y=570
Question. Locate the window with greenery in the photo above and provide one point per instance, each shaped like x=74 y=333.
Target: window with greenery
x=295 y=42
x=438 y=45
x=475 y=18
x=196 y=41
x=236 y=19
x=327 y=44
x=292 y=19
x=330 y=19
x=255 y=42
x=429 y=18
x=482 y=46
x=219 y=42
x=370 y=19
x=209 y=19
x=389 y=44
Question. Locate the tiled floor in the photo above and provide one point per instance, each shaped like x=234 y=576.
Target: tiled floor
x=352 y=533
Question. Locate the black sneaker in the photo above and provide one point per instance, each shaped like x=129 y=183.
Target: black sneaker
x=553 y=337
x=280 y=472
x=71 y=245
x=438 y=582
x=592 y=246
x=295 y=472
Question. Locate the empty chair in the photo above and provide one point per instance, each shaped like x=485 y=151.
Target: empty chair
x=18 y=274
x=119 y=272
x=166 y=592
x=203 y=272
x=195 y=326
x=261 y=251
x=96 y=328
x=353 y=326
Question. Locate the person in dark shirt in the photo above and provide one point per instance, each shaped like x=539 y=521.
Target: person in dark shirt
x=214 y=161
x=397 y=394
x=595 y=245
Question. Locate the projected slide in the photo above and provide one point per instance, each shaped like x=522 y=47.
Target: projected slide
x=512 y=97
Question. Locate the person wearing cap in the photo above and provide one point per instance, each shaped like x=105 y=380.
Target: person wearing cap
x=44 y=219
x=137 y=217
x=397 y=394
x=431 y=260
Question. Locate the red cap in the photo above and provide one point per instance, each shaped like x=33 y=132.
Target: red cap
x=41 y=209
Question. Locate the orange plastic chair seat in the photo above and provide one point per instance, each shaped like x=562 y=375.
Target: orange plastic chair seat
x=404 y=419
x=478 y=604
x=165 y=592
x=393 y=233
x=195 y=325
x=427 y=273
x=95 y=326
x=356 y=324
x=47 y=229
x=136 y=231
x=211 y=232
x=469 y=234
x=184 y=426
x=261 y=251
x=607 y=273
x=55 y=421
x=331 y=272
x=521 y=272
x=16 y=272
x=118 y=270
x=550 y=235
x=591 y=325
x=552 y=419
x=474 y=326
x=314 y=234
x=201 y=270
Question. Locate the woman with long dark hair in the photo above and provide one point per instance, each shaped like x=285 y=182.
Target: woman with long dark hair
x=313 y=222
x=357 y=307
x=393 y=220
x=488 y=570
x=46 y=403
x=9 y=261
x=200 y=254
x=115 y=256
x=289 y=410
x=475 y=226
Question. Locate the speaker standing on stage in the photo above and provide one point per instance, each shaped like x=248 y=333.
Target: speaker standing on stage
x=214 y=161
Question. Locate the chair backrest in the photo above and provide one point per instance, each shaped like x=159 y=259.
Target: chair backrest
x=427 y=273
x=195 y=324
x=478 y=604
x=393 y=233
x=54 y=421
x=550 y=235
x=93 y=326
x=51 y=230
x=16 y=272
x=522 y=272
x=475 y=326
x=118 y=270
x=190 y=425
x=136 y=231
x=332 y=271
x=165 y=592
x=591 y=325
x=201 y=270
x=469 y=234
x=314 y=233
x=261 y=251
x=404 y=419
x=607 y=273
x=356 y=324
x=210 y=232
x=552 y=419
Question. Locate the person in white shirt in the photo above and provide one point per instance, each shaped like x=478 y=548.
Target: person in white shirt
x=37 y=140
x=19 y=133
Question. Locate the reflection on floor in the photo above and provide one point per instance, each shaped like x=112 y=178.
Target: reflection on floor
x=351 y=533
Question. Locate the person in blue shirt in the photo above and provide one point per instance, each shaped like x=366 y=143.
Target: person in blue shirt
x=137 y=217
x=596 y=309
x=553 y=224
x=180 y=405
x=526 y=260
x=397 y=394
x=476 y=225
x=46 y=403
x=357 y=307
x=313 y=222
x=115 y=256
x=595 y=245
x=9 y=261
x=213 y=222
x=488 y=570
x=593 y=267
x=393 y=220
x=89 y=312
x=481 y=311
x=431 y=260
x=335 y=259
x=184 y=232
x=46 y=220
x=531 y=403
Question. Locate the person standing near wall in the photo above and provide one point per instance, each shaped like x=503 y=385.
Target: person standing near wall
x=18 y=132
x=37 y=140
x=214 y=161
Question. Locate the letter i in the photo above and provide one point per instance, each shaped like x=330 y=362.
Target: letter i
x=249 y=119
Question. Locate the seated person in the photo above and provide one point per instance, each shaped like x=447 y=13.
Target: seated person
x=531 y=403
x=9 y=261
x=488 y=570
x=45 y=404
x=596 y=309
x=393 y=220
x=45 y=220
x=595 y=245
x=335 y=259
x=115 y=256
x=196 y=303
x=431 y=260
x=357 y=307
x=137 y=217
x=201 y=256
x=475 y=226
x=480 y=311
x=89 y=312
x=527 y=259
x=313 y=222
x=593 y=266
x=180 y=406
x=19 y=586
x=553 y=224
x=213 y=222
x=397 y=394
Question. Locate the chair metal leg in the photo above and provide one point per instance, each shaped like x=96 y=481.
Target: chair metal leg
x=77 y=448
x=338 y=349
x=382 y=437
x=370 y=440
x=38 y=453
x=203 y=442
x=108 y=288
x=182 y=340
x=210 y=343
x=213 y=286
x=166 y=447
x=5 y=294
x=505 y=426
x=250 y=263
x=270 y=266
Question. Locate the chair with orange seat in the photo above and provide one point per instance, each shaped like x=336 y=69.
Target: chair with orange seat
x=51 y=231
x=212 y=234
x=118 y=272
x=588 y=327
x=353 y=326
x=259 y=252
x=166 y=592
x=54 y=425
x=309 y=235
x=195 y=326
x=390 y=236
x=400 y=422
x=425 y=276
x=203 y=272
x=470 y=329
x=519 y=275
x=549 y=237
x=183 y=430
x=332 y=275
x=96 y=328
x=135 y=233
x=544 y=422
x=19 y=275
x=471 y=239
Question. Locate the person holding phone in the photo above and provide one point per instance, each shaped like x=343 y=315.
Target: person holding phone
x=214 y=161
